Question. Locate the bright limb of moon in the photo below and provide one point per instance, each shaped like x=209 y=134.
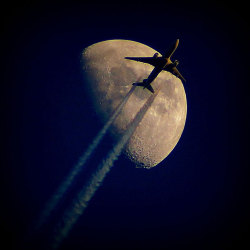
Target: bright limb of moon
x=108 y=77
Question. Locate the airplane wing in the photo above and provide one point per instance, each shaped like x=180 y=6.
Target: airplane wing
x=172 y=49
x=176 y=72
x=150 y=60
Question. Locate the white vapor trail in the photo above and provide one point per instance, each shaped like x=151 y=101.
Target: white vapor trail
x=52 y=203
x=84 y=196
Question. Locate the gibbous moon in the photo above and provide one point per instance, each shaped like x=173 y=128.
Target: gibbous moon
x=109 y=77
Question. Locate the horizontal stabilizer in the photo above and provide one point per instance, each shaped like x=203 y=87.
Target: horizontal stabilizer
x=149 y=87
x=141 y=84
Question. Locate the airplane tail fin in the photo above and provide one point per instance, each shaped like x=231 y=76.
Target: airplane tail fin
x=142 y=84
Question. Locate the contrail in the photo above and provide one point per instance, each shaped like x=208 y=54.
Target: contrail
x=52 y=203
x=84 y=196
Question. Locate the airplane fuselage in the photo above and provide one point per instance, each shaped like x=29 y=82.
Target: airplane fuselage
x=160 y=63
x=163 y=63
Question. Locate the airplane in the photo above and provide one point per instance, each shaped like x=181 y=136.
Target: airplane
x=160 y=63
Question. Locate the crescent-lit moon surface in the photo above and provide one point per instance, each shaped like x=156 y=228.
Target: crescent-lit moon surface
x=109 y=77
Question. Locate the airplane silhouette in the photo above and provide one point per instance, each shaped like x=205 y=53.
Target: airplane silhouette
x=160 y=63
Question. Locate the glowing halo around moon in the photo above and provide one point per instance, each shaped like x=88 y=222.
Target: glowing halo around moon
x=108 y=78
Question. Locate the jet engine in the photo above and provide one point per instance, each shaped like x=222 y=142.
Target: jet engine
x=156 y=55
x=176 y=62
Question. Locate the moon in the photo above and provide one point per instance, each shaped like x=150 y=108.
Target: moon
x=108 y=78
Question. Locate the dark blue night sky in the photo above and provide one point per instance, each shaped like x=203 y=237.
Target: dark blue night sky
x=196 y=198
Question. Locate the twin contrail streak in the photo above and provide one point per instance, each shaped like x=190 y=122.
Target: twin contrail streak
x=84 y=196
x=52 y=203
